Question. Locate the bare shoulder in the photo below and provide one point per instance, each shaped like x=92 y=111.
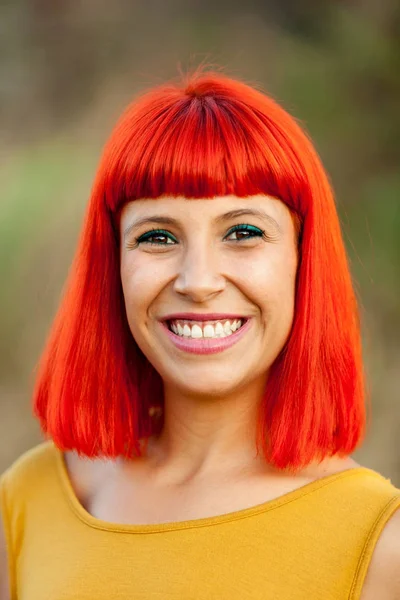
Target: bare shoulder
x=383 y=576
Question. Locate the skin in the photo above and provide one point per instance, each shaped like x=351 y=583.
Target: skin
x=211 y=400
x=200 y=264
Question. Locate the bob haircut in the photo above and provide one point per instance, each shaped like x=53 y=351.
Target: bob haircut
x=205 y=136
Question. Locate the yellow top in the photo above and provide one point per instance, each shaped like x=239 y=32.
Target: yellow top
x=312 y=543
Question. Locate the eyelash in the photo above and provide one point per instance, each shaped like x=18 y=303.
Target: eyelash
x=145 y=238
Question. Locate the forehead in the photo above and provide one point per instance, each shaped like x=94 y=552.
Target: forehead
x=188 y=210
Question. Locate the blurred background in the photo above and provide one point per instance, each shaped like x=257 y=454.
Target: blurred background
x=67 y=70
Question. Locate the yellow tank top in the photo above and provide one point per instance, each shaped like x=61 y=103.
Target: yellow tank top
x=312 y=543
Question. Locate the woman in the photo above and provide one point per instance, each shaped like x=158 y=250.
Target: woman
x=202 y=387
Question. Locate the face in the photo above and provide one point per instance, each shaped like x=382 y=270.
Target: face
x=209 y=288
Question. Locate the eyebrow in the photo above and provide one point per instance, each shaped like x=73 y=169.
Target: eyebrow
x=240 y=212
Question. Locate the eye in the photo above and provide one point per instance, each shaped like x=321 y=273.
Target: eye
x=244 y=232
x=156 y=237
x=161 y=237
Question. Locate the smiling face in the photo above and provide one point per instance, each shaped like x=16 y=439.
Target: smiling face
x=209 y=288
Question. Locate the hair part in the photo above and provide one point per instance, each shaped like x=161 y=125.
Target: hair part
x=206 y=136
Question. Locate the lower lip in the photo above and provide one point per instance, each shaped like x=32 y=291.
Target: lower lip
x=206 y=345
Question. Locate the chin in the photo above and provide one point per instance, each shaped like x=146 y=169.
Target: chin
x=203 y=386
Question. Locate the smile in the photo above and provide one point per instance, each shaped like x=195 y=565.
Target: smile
x=200 y=336
x=205 y=329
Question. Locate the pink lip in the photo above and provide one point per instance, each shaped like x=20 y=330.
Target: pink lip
x=205 y=345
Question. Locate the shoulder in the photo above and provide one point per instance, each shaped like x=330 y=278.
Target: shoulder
x=383 y=576
x=17 y=486
x=27 y=471
x=32 y=459
x=4 y=562
x=369 y=504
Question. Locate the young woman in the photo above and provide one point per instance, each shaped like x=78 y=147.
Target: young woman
x=202 y=386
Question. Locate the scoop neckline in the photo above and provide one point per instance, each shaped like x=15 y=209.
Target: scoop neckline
x=96 y=523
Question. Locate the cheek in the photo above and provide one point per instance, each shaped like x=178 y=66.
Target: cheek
x=284 y=298
x=270 y=282
x=141 y=283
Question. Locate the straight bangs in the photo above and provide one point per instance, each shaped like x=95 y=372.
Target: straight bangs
x=201 y=146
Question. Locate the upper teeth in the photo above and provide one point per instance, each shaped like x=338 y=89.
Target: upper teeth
x=207 y=329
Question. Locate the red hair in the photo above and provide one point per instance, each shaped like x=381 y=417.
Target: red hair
x=206 y=136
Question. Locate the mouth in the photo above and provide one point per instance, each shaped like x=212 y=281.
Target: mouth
x=209 y=328
x=206 y=333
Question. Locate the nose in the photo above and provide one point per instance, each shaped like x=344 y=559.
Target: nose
x=199 y=276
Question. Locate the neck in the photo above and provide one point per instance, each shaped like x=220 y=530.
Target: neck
x=207 y=436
